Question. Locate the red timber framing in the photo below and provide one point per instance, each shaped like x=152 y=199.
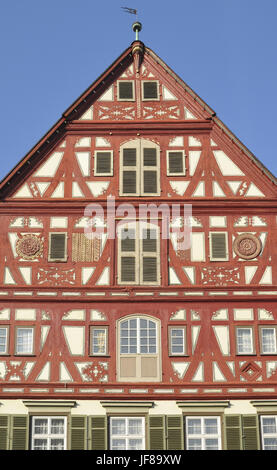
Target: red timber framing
x=212 y=298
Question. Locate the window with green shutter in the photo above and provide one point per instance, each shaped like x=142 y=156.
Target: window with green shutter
x=176 y=163
x=57 y=247
x=125 y=90
x=157 y=432
x=98 y=433
x=218 y=246
x=250 y=432
x=4 y=432
x=78 y=432
x=233 y=432
x=150 y=90
x=19 y=432
x=103 y=163
x=175 y=435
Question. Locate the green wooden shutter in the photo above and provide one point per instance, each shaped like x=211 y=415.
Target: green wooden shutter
x=125 y=90
x=218 y=246
x=175 y=434
x=103 y=163
x=4 y=432
x=57 y=247
x=150 y=90
x=19 y=432
x=78 y=433
x=98 y=433
x=157 y=433
x=250 y=432
x=233 y=432
x=175 y=163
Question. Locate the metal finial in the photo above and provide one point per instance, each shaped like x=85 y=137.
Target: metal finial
x=137 y=27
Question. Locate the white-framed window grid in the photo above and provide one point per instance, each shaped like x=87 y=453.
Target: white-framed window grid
x=127 y=433
x=4 y=331
x=49 y=433
x=138 y=336
x=244 y=340
x=24 y=340
x=203 y=433
x=268 y=340
x=177 y=340
x=99 y=340
x=269 y=432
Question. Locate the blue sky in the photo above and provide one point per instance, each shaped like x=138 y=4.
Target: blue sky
x=225 y=50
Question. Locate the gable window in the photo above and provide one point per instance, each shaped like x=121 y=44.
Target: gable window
x=24 y=341
x=103 y=163
x=57 y=246
x=125 y=90
x=139 y=169
x=244 y=338
x=269 y=432
x=138 y=350
x=3 y=340
x=176 y=163
x=139 y=254
x=150 y=90
x=177 y=340
x=268 y=340
x=99 y=341
x=203 y=433
x=127 y=433
x=218 y=246
x=48 y=433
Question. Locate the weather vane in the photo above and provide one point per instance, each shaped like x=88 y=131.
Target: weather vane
x=137 y=26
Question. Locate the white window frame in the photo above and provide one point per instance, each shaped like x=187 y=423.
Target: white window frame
x=25 y=352
x=184 y=163
x=139 y=254
x=202 y=436
x=133 y=89
x=142 y=90
x=110 y=173
x=57 y=260
x=270 y=435
x=171 y=328
x=245 y=353
x=104 y=329
x=139 y=145
x=268 y=327
x=127 y=437
x=48 y=436
x=3 y=327
x=226 y=244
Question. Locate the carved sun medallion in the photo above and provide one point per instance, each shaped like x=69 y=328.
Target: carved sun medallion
x=29 y=246
x=247 y=246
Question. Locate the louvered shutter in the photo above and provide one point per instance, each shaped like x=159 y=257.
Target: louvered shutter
x=175 y=163
x=150 y=90
x=57 y=247
x=4 y=432
x=98 y=433
x=125 y=90
x=218 y=246
x=150 y=171
x=128 y=256
x=130 y=172
x=250 y=432
x=103 y=164
x=175 y=435
x=233 y=432
x=150 y=259
x=157 y=433
x=78 y=433
x=19 y=432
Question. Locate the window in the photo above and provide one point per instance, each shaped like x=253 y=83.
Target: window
x=125 y=90
x=269 y=432
x=103 y=163
x=268 y=340
x=127 y=433
x=138 y=350
x=244 y=336
x=218 y=246
x=99 y=341
x=203 y=433
x=139 y=254
x=48 y=433
x=3 y=340
x=176 y=339
x=57 y=247
x=176 y=163
x=139 y=168
x=24 y=341
x=150 y=90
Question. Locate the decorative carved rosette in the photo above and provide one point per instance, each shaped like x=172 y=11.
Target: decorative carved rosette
x=29 y=246
x=247 y=246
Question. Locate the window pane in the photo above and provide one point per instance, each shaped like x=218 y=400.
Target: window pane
x=57 y=444
x=268 y=340
x=41 y=426
x=135 y=444
x=99 y=341
x=210 y=426
x=211 y=444
x=269 y=425
x=24 y=340
x=40 y=444
x=244 y=340
x=194 y=426
x=118 y=444
x=194 y=444
x=135 y=426
x=118 y=426
x=57 y=426
x=270 y=443
x=3 y=340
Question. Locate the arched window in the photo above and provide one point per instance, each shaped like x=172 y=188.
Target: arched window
x=139 y=349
